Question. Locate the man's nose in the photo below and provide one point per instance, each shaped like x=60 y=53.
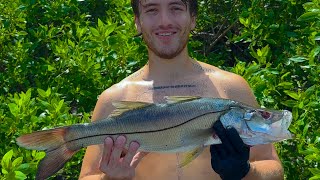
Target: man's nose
x=165 y=19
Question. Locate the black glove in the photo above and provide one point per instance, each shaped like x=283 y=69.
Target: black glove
x=231 y=158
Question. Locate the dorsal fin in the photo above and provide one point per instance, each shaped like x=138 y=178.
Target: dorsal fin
x=176 y=99
x=123 y=106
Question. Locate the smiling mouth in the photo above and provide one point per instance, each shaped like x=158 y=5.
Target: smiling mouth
x=167 y=34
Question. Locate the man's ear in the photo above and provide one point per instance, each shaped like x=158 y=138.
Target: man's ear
x=193 y=22
x=138 y=24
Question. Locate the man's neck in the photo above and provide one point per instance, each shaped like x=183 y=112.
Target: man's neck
x=164 y=70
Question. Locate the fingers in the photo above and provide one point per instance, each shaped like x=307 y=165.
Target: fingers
x=115 y=152
x=222 y=134
x=107 y=149
x=116 y=161
x=119 y=145
x=132 y=150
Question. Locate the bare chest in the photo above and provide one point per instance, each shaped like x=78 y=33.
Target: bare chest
x=165 y=166
x=154 y=92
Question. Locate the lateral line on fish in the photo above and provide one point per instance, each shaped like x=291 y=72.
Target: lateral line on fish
x=141 y=132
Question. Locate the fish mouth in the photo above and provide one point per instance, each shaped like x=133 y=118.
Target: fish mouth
x=280 y=127
x=265 y=133
x=276 y=126
x=285 y=117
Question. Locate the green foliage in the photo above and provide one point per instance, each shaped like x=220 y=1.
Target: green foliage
x=284 y=74
x=57 y=56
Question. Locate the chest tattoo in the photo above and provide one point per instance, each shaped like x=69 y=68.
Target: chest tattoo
x=173 y=87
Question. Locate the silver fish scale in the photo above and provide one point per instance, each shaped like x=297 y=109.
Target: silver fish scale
x=155 y=117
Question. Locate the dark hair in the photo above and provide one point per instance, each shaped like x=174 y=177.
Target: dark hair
x=192 y=4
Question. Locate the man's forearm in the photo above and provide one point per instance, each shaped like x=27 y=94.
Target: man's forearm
x=265 y=170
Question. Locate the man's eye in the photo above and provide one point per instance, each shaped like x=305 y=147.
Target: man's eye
x=151 y=10
x=177 y=9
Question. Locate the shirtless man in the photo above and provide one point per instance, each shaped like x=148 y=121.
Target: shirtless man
x=165 y=26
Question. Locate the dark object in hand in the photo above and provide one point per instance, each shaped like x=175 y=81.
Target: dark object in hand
x=231 y=158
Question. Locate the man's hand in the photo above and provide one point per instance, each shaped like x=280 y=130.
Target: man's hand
x=117 y=165
x=231 y=158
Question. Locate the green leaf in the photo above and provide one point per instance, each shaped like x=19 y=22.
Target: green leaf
x=124 y=17
x=95 y=32
x=4 y=171
x=48 y=92
x=6 y=160
x=14 y=109
x=243 y=21
x=100 y=23
x=39 y=155
x=80 y=32
x=314 y=171
x=23 y=167
x=295 y=113
x=265 y=50
x=71 y=43
x=309 y=16
x=59 y=106
x=309 y=5
x=289 y=103
x=50 y=68
x=42 y=93
x=317 y=177
x=17 y=162
x=251 y=69
x=315 y=51
x=298 y=59
x=28 y=95
x=110 y=29
x=309 y=91
x=19 y=175
x=292 y=94
x=305 y=129
x=286 y=84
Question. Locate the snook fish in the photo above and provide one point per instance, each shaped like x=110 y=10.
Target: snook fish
x=183 y=124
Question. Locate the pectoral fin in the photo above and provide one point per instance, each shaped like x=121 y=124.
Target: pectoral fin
x=190 y=156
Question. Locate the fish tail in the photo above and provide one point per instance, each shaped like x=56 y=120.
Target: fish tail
x=43 y=140
x=53 y=161
x=53 y=142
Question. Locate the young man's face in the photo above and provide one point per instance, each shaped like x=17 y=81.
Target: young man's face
x=165 y=26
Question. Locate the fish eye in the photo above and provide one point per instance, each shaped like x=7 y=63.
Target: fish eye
x=248 y=115
x=265 y=114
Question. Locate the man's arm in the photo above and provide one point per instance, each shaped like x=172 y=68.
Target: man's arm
x=264 y=161
x=90 y=164
x=105 y=161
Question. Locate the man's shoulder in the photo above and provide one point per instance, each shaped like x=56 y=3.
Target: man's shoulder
x=220 y=74
x=117 y=91
x=234 y=85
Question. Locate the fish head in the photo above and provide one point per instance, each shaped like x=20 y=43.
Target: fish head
x=259 y=126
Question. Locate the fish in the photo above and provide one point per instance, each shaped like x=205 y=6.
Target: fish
x=181 y=124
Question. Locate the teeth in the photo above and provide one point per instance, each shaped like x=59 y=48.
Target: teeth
x=165 y=34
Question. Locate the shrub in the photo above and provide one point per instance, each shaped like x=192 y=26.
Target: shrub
x=57 y=56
